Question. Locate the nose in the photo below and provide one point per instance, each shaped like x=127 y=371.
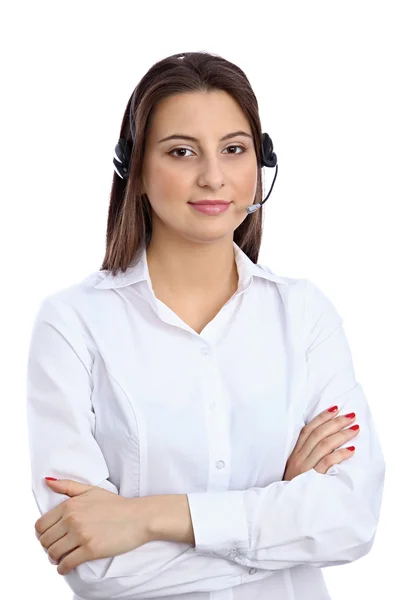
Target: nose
x=211 y=174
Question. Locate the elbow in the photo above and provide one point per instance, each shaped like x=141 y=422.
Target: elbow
x=347 y=554
x=87 y=580
x=363 y=526
x=95 y=580
x=350 y=534
x=364 y=535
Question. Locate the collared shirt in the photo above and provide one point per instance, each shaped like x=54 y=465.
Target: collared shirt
x=123 y=394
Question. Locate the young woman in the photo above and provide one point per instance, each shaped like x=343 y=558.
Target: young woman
x=194 y=407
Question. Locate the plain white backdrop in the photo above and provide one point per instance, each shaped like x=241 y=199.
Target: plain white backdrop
x=326 y=76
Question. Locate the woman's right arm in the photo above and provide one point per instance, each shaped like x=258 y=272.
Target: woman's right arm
x=61 y=425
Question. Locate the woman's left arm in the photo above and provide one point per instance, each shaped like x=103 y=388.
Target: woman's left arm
x=315 y=519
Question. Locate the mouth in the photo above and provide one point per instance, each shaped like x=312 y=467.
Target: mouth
x=211 y=209
x=210 y=202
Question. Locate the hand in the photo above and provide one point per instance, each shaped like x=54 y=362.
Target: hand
x=93 y=523
x=317 y=443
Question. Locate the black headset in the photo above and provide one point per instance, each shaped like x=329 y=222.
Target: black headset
x=123 y=152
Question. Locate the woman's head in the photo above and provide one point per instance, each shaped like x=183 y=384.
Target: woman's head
x=204 y=96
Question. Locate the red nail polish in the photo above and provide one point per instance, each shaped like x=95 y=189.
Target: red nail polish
x=351 y=448
x=355 y=427
x=332 y=409
x=51 y=478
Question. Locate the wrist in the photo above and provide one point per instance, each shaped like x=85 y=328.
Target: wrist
x=170 y=519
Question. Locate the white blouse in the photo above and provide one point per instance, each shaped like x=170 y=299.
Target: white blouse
x=123 y=394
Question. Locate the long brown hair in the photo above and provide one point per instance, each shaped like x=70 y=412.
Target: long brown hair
x=129 y=224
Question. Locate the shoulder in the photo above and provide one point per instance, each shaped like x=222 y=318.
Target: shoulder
x=71 y=299
x=287 y=285
x=308 y=290
x=307 y=299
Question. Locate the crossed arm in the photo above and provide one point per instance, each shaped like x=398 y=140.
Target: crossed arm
x=318 y=520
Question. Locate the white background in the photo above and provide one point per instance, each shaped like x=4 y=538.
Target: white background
x=326 y=75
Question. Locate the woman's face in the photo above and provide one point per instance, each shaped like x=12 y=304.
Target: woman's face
x=209 y=168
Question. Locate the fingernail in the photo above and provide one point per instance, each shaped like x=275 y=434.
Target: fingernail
x=351 y=448
x=332 y=409
x=355 y=427
x=350 y=415
x=51 y=478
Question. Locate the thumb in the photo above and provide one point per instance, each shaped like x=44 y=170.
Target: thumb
x=67 y=486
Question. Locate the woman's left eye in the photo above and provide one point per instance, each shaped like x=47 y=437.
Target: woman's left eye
x=187 y=149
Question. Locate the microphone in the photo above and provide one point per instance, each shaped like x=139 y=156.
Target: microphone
x=253 y=207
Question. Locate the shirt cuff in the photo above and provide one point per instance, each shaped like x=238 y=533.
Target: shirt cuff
x=219 y=523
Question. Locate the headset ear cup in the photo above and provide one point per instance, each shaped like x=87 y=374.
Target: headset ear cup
x=121 y=162
x=268 y=157
x=122 y=151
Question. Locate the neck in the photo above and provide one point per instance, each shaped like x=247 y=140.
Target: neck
x=192 y=269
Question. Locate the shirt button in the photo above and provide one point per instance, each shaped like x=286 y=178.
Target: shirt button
x=232 y=554
x=205 y=350
x=252 y=571
x=220 y=464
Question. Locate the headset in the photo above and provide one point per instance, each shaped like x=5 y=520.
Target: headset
x=123 y=152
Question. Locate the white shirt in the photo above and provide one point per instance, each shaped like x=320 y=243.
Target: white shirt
x=123 y=394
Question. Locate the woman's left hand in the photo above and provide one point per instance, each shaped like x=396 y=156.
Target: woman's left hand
x=93 y=523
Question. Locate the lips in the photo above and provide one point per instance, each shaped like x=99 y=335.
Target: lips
x=210 y=202
x=211 y=209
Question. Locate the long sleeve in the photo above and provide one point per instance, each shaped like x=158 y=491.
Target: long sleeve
x=316 y=519
x=61 y=425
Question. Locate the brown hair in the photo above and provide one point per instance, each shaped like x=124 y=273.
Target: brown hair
x=129 y=225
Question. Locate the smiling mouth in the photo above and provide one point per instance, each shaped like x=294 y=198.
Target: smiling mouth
x=210 y=202
x=211 y=209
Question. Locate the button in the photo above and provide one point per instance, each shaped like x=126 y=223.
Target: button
x=232 y=554
x=220 y=464
x=205 y=350
x=252 y=571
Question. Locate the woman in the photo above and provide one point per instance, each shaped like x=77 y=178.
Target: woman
x=199 y=401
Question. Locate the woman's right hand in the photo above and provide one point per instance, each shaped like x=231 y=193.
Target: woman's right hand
x=317 y=443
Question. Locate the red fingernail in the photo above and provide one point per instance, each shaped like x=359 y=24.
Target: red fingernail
x=51 y=478
x=332 y=409
x=351 y=448
x=355 y=427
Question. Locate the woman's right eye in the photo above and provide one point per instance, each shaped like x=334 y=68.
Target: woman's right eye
x=176 y=150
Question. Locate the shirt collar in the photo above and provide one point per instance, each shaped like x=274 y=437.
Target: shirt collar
x=140 y=272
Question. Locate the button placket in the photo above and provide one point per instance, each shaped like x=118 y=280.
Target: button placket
x=216 y=421
x=206 y=352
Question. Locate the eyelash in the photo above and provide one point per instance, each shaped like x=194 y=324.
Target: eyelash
x=231 y=146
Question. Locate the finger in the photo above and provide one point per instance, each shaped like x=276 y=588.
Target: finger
x=308 y=429
x=324 y=431
x=62 y=547
x=329 y=448
x=55 y=533
x=72 y=560
x=335 y=458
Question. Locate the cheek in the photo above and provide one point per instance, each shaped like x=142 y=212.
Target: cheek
x=168 y=184
x=247 y=183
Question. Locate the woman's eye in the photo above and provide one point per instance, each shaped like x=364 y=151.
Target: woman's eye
x=187 y=150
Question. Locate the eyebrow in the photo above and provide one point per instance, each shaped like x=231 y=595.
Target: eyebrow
x=181 y=136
